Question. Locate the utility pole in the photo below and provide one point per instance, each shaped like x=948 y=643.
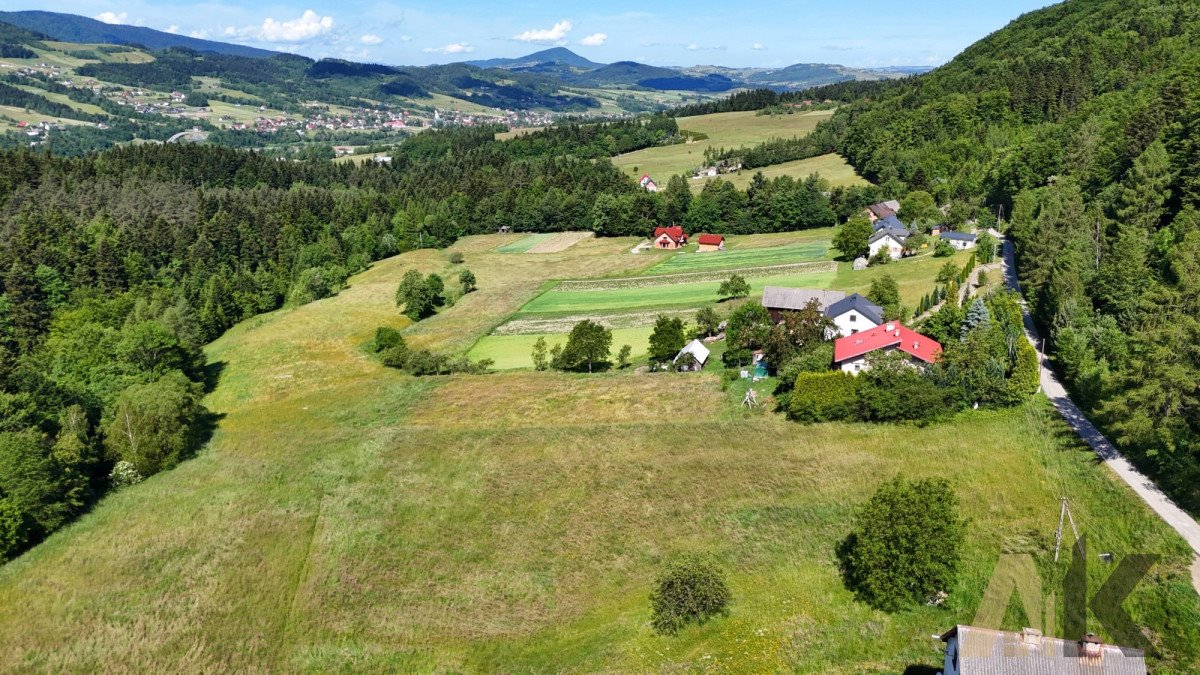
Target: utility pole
x=1064 y=513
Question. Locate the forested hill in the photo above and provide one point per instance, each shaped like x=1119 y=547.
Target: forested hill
x=1082 y=122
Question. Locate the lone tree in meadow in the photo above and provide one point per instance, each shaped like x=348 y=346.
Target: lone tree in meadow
x=733 y=287
x=587 y=347
x=540 y=360
x=851 y=238
x=692 y=589
x=906 y=544
x=467 y=280
x=417 y=295
x=667 y=339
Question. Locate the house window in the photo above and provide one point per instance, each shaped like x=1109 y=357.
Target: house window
x=853 y=318
x=853 y=331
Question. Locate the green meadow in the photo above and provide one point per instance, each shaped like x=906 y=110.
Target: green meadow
x=348 y=517
x=692 y=261
x=833 y=168
x=724 y=130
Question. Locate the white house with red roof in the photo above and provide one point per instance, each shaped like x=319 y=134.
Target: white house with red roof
x=648 y=183
x=850 y=353
x=670 y=237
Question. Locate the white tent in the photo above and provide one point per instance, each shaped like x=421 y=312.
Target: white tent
x=698 y=351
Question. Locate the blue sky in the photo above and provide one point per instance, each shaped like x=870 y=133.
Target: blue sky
x=667 y=32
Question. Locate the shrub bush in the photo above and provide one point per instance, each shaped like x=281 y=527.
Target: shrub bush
x=823 y=397
x=386 y=338
x=691 y=589
x=906 y=544
x=124 y=474
x=456 y=258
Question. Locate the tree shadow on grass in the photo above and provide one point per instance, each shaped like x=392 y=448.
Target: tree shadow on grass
x=212 y=375
x=921 y=669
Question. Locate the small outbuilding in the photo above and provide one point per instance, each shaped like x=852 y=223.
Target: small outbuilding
x=710 y=242
x=959 y=240
x=692 y=357
x=983 y=651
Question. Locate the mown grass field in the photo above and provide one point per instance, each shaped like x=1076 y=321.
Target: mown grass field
x=693 y=261
x=728 y=130
x=511 y=352
x=525 y=243
x=833 y=168
x=348 y=517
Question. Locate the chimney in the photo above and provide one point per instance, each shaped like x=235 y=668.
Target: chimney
x=916 y=346
x=1031 y=637
x=890 y=327
x=1090 y=647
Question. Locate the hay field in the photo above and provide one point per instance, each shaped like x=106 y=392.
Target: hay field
x=728 y=130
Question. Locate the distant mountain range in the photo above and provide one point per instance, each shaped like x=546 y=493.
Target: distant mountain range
x=74 y=28
x=575 y=69
x=557 y=64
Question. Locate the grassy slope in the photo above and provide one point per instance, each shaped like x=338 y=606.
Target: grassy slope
x=733 y=258
x=833 y=168
x=728 y=130
x=349 y=517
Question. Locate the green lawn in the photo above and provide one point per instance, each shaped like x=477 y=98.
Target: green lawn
x=515 y=351
x=346 y=517
x=832 y=168
x=523 y=244
x=914 y=276
x=692 y=261
x=680 y=295
x=728 y=130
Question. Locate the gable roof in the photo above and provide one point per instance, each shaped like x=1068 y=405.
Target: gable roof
x=675 y=232
x=956 y=236
x=710 y=240
x=645 y=179
x=881 y=210
x=856 y=303
x=982 y=651
x=900 y=235
x=891 y=334
x=794 y=299
x=696 y=348
x=889 y=222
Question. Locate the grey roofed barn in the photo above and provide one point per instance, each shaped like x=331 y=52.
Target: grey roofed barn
x=794 y=299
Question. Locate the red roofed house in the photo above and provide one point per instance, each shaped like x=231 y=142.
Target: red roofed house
x=850 y=353
x=669 y=237
x=648 y=183
x=710 y=242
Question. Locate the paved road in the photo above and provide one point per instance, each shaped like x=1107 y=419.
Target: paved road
x=1145 y=488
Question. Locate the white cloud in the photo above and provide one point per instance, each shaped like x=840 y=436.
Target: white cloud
x=594 y=40
x=694 y=47
x=201 y=34
x=757 y=46
x=112 y=17
x=553 y=34
x=307 y=26
x=406 y=38
x=453 y=48
x=370 y=39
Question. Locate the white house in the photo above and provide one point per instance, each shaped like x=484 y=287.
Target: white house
x=889 y=239
x=850 y=353
x=959 y=240
x=853 y=314
x=983 y=651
